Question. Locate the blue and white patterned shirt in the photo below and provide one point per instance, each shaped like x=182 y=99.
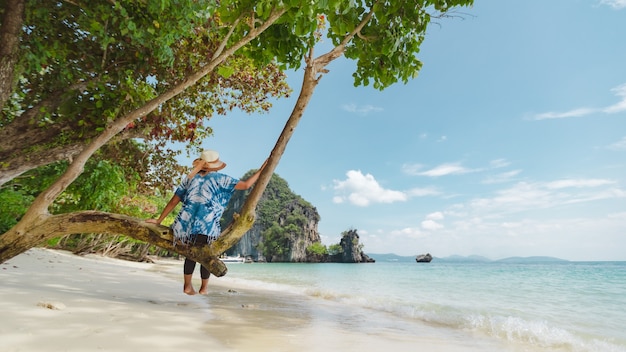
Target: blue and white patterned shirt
x=204 y=199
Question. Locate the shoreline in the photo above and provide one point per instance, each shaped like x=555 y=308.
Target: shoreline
x=56 y=301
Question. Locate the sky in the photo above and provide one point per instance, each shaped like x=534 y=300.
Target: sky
x=510 y=142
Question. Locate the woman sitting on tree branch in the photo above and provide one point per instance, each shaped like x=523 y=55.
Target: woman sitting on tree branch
x=204 y=194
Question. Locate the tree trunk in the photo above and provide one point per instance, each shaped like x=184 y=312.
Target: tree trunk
x=9 y=39
x=13 y=243
x=312 y=75
x=232 y=234
x=24 y=147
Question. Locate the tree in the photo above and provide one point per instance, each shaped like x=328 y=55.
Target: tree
x=100 y=108
x=12 y=12
x=382 y=36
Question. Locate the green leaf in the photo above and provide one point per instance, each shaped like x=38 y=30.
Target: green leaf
x=225 y=71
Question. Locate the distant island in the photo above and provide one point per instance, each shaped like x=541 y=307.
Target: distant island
x=390 y=257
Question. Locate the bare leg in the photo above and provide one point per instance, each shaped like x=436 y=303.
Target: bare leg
x=188 y=287
x=204 y=287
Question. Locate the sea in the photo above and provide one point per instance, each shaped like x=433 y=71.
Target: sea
x=544 y=306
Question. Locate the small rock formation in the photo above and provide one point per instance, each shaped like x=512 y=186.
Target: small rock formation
x=424 y=258
x=351 y=250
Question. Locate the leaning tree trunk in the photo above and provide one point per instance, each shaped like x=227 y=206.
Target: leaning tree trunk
x=312 y=75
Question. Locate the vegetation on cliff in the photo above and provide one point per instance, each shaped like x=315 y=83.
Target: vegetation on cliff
x=284 y=220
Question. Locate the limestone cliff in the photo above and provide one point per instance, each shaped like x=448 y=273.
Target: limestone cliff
x=285 y=225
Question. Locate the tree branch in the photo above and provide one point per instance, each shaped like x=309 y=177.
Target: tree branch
x=113 y=224
x=337 y=51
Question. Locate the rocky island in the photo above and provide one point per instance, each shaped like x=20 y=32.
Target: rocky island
x=424 y=258
x=285 y=230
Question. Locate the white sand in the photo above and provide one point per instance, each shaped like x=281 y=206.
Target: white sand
x=56 y=301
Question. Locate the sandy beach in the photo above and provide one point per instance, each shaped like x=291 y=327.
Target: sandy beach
x=56 y=301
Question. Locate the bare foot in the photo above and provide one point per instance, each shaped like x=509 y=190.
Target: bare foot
x=189 y=290
x=204 y=287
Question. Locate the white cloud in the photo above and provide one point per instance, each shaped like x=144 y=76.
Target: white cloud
x=361 y=110
x=616 y=4
x=431 y=225
x=498 y=163
x=445 y=169
x=620 y=91
x=408 y=232
x=362 y=190
x=435 y=216
x=458 y=169
x=620 y=106
x=431 y=221
x=526 y=196
x=619 y=145
x=561 y=115
x=578 y=183
x=502 y=177
x=422 y=192
x=412 y=169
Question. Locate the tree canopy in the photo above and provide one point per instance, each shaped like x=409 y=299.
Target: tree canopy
x=83 y=74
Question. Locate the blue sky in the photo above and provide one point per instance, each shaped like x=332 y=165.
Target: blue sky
x=511 y=142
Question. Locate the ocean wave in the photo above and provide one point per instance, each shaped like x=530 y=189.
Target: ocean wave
x=538 y=335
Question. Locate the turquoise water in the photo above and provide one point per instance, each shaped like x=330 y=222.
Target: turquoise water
x=573 y=306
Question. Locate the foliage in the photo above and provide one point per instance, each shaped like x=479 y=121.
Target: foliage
x=99 y=188
x=104 y=186
x=281 y=214
x=317 y=248
x=14 y=205
x=84 y=64
x=334 y=249
x=276 y=241
x=272 y=205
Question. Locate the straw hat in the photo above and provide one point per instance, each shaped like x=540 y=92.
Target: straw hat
x=213 y=159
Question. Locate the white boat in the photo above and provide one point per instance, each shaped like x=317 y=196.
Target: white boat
x=229 y=259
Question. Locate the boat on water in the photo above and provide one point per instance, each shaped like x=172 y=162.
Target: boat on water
x=237 y=259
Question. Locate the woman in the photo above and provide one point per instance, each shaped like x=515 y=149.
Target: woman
x=204 y=194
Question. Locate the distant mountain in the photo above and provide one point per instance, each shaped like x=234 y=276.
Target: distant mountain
x=391 y=257
x=535 y=259
x=459 y=258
